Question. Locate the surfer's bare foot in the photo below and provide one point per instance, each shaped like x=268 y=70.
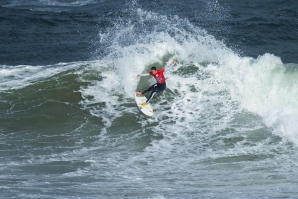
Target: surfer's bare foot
x=144 y=104
x=139 y=94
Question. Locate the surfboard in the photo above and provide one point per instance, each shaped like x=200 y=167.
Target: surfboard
x=147 y=109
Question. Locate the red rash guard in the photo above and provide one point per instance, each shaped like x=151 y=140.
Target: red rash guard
x=160 y=78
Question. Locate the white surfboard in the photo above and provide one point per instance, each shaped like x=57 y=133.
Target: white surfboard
x=147 y=110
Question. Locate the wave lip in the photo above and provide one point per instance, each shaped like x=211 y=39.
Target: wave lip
x=267 y=87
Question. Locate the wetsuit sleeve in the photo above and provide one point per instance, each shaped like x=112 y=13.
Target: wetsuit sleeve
x=145 y=74
x=169 y=67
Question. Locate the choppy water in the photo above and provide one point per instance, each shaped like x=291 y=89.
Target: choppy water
x=225 y=127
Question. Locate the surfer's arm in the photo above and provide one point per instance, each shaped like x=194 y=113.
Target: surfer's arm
x=145 y=74
x=169 y=67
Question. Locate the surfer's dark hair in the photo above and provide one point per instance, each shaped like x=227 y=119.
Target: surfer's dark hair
x=153 y=68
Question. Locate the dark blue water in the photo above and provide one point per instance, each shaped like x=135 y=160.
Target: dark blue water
x=225 y=127
x=42 y=32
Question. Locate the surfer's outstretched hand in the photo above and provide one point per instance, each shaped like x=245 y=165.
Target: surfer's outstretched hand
x=175 y=61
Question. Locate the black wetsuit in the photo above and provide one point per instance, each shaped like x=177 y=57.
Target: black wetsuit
x=155 y=88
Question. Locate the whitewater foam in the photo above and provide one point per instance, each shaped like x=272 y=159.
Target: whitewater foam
x=218 y=85
x=263 y=87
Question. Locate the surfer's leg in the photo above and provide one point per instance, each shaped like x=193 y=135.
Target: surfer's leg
x=151 y=96
x=156 y=88
x=149 y=89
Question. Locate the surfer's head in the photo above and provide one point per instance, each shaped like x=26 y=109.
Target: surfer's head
x=153 y=69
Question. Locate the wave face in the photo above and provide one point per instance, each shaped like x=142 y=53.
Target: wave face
x=224 y=127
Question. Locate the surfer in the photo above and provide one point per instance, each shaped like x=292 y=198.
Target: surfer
x=160 y=79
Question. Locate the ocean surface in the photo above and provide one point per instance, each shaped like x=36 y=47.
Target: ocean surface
x=225 y=127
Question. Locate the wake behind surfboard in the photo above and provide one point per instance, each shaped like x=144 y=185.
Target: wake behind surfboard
x=146 y=109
